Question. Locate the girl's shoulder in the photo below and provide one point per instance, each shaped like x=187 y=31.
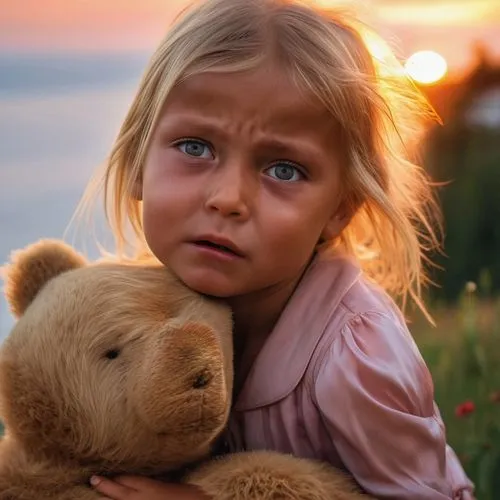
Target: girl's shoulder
x=366 y=339
x=336 y=287
x=360 y=322
x=339 y=292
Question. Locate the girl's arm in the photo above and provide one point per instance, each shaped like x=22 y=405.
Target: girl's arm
x=376 y=398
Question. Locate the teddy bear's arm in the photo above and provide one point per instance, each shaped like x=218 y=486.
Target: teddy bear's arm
x=268 y=475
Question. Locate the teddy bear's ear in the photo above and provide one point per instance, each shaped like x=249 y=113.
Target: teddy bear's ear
x=32 y=267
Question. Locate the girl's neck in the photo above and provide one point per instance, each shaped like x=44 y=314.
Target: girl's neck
x=255 y=316
x=254 y=320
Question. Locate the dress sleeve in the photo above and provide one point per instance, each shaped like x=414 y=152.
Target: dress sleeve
x=376 y=399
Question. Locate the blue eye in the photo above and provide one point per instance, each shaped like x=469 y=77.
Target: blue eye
x=286 y=172
x=194 y=148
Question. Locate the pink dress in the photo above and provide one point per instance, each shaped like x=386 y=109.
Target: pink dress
x=341 y=379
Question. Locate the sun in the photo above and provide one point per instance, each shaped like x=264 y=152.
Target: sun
x=426 y=67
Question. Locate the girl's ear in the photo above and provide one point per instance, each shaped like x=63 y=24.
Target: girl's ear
x=334 y=227
x=336 y=224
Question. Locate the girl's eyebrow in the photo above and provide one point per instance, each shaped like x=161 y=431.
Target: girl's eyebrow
x=302 y=148
x=175 y=120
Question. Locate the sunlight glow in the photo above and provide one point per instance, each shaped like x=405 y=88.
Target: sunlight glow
x=442 y=13
x=426 y=67
x=379 y=48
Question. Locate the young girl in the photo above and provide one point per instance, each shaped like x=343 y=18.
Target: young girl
x=265 y=160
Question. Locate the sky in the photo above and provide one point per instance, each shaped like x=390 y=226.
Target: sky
x=447 y=26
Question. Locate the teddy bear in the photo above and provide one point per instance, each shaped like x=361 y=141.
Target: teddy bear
x=116 y=367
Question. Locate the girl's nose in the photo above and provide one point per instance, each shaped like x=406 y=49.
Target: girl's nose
x=230 y=191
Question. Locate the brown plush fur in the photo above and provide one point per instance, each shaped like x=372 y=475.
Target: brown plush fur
x=266 y=475
x=32 y=269
x=119 y=368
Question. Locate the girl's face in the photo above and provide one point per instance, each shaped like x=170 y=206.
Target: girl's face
x=240 y=182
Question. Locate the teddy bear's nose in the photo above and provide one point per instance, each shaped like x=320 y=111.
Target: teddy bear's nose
x=202 y=380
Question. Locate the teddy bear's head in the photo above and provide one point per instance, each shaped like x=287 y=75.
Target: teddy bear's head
x=111 y=365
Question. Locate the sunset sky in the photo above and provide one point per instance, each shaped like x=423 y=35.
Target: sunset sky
x=447 y=26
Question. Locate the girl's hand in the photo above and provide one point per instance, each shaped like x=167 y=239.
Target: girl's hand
x=141 y=488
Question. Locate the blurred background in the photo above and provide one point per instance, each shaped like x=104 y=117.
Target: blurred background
x=68 y=71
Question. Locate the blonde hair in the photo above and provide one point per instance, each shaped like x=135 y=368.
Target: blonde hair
x=380 y=114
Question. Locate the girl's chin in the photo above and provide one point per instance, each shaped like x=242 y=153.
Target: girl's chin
x=210 y=287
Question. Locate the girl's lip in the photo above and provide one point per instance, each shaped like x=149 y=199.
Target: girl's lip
x=216 y=251
x=218 y=242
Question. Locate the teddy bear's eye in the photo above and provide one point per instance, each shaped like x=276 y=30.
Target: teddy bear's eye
x=112 y=354
x=201 y=381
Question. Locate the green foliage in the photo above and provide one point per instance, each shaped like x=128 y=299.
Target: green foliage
x=464 y=357
x=468 y=161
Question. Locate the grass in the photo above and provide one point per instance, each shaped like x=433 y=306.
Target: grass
x=463 y=354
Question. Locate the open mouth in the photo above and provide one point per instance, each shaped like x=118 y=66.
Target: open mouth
x=216 y=246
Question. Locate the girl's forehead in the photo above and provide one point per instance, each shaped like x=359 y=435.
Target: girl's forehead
x=268 y=92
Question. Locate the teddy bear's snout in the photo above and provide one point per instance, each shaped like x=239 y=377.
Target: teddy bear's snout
x=183 y=385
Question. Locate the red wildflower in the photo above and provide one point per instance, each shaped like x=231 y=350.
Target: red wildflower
x=465 y=408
